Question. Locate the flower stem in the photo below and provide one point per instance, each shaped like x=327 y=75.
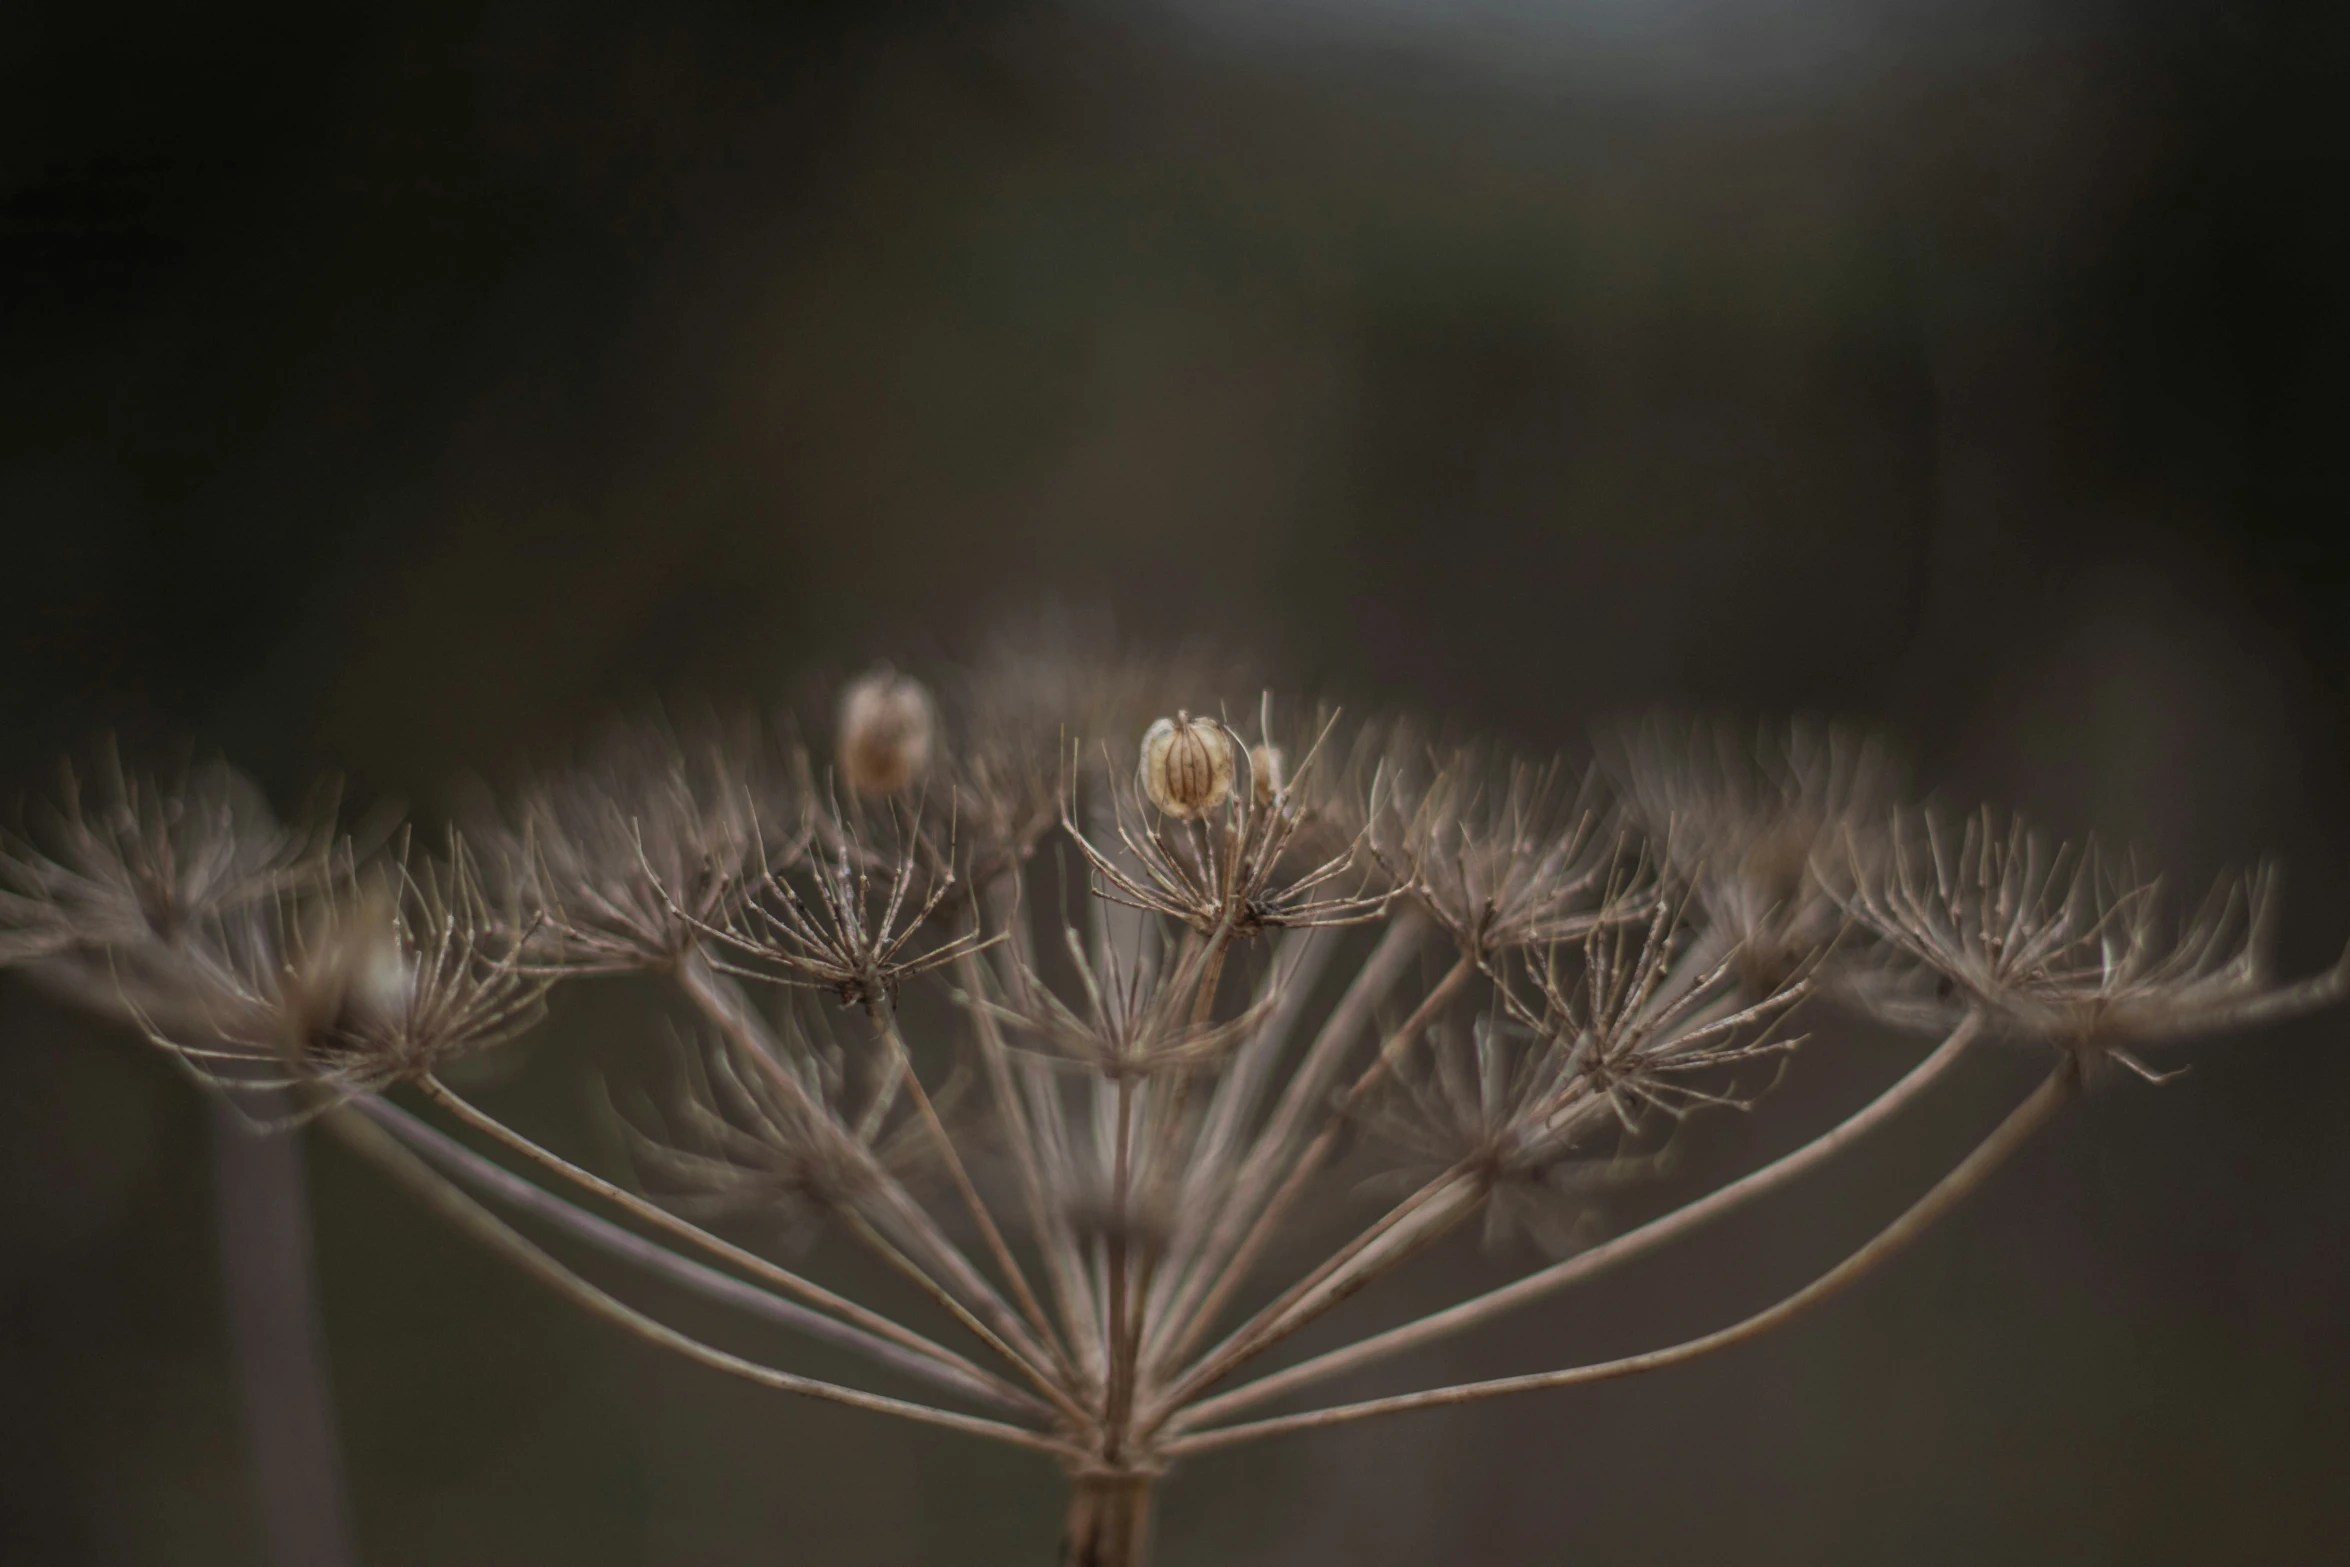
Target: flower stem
x=1109 y=1519
x=1589 y=1264
x=272 y=1287
x=1971 y=1172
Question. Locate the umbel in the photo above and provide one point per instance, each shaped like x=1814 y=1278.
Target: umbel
x=1133 y=1031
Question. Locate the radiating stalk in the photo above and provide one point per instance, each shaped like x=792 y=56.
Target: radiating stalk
x=723 y=1003
x=879 y=1338
x=1590 y=1263
x=380 y=1147
x=1049 y=1228
x=884 y=1018
x=1198 y=1254
x=1946 y=1194
x=1309 y=1163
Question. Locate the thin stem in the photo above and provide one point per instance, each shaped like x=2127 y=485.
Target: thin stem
x=1010 y=1335
x=1412 y=1234
x=1197 y=1247
x=944 y=1368
x=1296 y=963
x=1052 y=1236
x=1344 y=1272
x=1168 y=1111
x=1946 y=1193
x=724 y=1004
x=882 y=1247
x=373 y=1143
x=1203 y=1001
x=1288 y=985
x=1109 y=1518
x=1310 y=1161
x=994 y=1237
x=750 y=1262
x=1167 y=1108
x=271 y=1283
x=1119 y=1393
x=886 y=1096
x=1630 y=1244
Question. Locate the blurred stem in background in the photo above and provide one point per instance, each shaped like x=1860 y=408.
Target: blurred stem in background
x=271 y=1291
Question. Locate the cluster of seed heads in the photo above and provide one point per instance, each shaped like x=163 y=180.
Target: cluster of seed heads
x=1077 y=1008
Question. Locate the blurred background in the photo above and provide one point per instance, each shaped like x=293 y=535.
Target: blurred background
x=391 y=396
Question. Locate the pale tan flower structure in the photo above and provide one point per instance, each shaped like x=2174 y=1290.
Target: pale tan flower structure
x=1130 y=1048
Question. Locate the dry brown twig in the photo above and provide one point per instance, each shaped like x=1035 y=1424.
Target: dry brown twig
x=1111 y=1153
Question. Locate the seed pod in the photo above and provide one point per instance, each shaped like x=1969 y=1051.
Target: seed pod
x=886 y=723
x=1186 y=765
x=1267 y=773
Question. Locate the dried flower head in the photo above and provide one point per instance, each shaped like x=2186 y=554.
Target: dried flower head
x=887 y=728
x=1751 y=827
x=1502 y=853
x=1228 y=871
x=848 y=917
x=621 y=861
x=1492 y=1102
x=349 y=972
x=1015 y=717
x=2057 y=942
x=778 y=1140
x=362 y=977
x=1186 y=768
x=142 y=860
x=1643 y=1019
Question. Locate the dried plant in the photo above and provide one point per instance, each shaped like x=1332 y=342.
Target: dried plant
x=366 y=977
x=2058 y=942
x=1264 y=1027
x=1216 y=857
x=1761 y=831
x=136 y=865
x=1500 y=852
x=624 y=859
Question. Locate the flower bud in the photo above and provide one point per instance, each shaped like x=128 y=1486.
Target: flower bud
x=1186 y=765
x=1267 y=773
x=886 y=723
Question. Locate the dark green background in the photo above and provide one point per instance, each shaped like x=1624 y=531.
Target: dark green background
x=392 y=398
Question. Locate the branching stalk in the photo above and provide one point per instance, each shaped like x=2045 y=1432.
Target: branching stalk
x=1971 y=1172
x=378 y=1146
x=1598 y=1259
x=1237 y=1268
x=934 y=1364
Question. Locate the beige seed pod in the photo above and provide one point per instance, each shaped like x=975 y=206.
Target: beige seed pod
x=1186 y=765
x=1268 y=773
x=886 y=725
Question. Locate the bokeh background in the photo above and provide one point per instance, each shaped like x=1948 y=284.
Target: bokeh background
x=391 y=393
